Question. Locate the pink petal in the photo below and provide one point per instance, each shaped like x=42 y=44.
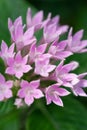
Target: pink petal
x=80 y=92
x=9 y=23
x=48 y=99
x=42 y=48
x=28 y=18
x=18 y=32
x=57 y=100
x=38 y=18
x=62 y=92
x=18 y=57
x=83 y=83
x=9 y=84
x=11 y=48
x=10 y=61
x=37 y=94
x=59 y=67
x=82 y=75
x=21 y=93
x=1 y=97
x=25 y=59
x=4 y=47
x=62 y=44
x=10 y=70
x=35 y=84
x=77 y=36
x=2 y=79
x=28 y=34
x=29 y=100
x=56 y=19
x=19 y=74
x=51 y=68
x=71 y=66
x=8 y=94
x=63 y=54
x=24 y=84
x=26 y=68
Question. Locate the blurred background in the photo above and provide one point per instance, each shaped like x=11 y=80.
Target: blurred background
x=73 y=116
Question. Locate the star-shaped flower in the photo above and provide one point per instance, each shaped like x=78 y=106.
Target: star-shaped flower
x=18 y=65
x=29 y=91
x=18 y=36
x=53 y=94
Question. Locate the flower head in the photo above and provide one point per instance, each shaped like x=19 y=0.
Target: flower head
x=35 y=64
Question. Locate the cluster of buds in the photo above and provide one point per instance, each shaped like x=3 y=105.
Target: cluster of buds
x=35 y=68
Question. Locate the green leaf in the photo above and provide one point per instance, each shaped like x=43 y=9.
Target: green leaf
x=73 y=116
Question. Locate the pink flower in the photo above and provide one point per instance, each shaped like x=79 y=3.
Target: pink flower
x=78 y=88
x=18 y=65
x=75 y=44
x=62 y=75
x=35 y=21
x=21 y=39
x=36 y=51
x=29 y=91
x=5 y=88
x=18 y=102
x=57 y=50
x=53 y=30
x=42 y=65
x=53 y=94
x=6 y=52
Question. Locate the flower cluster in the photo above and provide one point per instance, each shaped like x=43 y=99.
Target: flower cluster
x=35 y=68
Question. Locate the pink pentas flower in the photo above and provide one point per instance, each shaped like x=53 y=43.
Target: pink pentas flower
x=53 y=94
x=18 y=65
x=35 y=21
x=18 y=102
x=30 y=91
x=75 y=44
x=58 y=51
x=6 y=52
x=18 y=36
x=11 y=26
x=63 y=76
x=36 y=51
x=43 y=66
x=52 y=30
x=78 y=88
x=5 y=88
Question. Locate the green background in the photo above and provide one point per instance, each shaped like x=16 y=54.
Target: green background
x=73 y=116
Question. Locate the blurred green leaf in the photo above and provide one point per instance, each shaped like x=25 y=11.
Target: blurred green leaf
x=73 y=116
